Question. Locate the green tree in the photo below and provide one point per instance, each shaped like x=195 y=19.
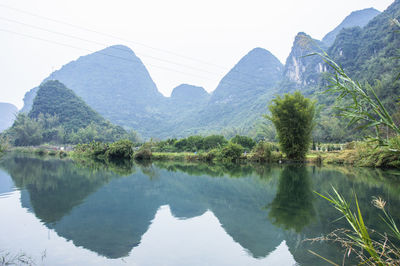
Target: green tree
x=230 y=153
x=246 y=142
x=293 y=118
x=214 y=141
x=292 y=207
x=26 y=131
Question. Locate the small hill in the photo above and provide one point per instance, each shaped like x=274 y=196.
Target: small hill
x=115 y=83
x=53 y=98
x=8 y=112
x=358 y=18
x=188 y=94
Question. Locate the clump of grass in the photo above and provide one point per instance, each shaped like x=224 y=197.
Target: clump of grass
x=265 y=152
x=377 y=250
x=7 y=258
x=143 y=154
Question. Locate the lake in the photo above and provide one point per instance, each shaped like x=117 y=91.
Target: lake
x=61 y=212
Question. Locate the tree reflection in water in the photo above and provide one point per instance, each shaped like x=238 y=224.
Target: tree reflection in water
x=292 y=207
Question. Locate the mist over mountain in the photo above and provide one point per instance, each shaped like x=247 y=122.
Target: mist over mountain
x=255 y=72
x=358 y=18
x=116 y=84
x=240 y=97
x=8 y=112
x=189 y=95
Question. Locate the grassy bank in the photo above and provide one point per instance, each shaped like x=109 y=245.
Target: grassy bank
x=365 y=154
x=361 y=154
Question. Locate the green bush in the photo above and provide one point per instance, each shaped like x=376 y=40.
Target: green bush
x=122 y=149
x=214 y=141
x=246 y=142
x=293 y=117
x=143 y=154
x=230 y=152
x=262 y=152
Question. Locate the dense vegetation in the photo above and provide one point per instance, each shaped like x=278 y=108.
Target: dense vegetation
x=236 y=105
x=59 y=116
x=293 y=117
x=122 y=149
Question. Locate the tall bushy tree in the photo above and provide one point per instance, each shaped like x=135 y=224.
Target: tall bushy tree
x=293 y=118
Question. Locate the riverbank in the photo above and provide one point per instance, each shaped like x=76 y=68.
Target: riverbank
x=360 y=154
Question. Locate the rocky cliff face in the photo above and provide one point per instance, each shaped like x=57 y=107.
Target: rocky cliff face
x=301 y=67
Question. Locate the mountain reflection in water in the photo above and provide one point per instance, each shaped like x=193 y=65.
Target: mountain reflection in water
x=182 y=213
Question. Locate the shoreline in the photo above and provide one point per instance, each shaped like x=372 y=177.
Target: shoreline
x=347 y=157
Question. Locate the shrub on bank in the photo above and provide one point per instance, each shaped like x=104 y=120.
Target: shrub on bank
x=265 y=152
x=120 y=149
x=143 y=154
x=230 y=153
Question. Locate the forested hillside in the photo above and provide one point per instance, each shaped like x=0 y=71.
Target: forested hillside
x=115 y=83
x=59 y=116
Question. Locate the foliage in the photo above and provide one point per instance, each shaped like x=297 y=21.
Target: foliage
x=7 y=258
x=214 y=141
x=230 y=153
x=360 y=238
x=55 y=99
x=25 y=131
x=366 y=107
x=265 y=152
x=246 y=142
x=122 y=149
x=143 y=154
x=191 y=144
x=46 y=128
x=4 y=144
x=292 y=207
x=293 y=117
x=59 y=116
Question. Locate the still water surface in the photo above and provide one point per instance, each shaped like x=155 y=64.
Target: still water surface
x=64 y=213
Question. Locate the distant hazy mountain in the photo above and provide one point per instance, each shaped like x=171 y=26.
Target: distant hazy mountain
x=186 y=94
x=54 y=98
x=7 y=115
x=358 y=18
x=115 y=83
x=253 y=74
x=242 y=95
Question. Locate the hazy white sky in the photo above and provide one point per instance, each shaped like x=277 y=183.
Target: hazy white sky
x=218 y=32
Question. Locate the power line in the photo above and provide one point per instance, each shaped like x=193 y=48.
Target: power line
x=231 y=81
x=91 y=51
x=103 y=44
x=110 y=36
x=128 y=41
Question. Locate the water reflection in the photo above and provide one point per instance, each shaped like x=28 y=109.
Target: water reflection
x=292 y=207
x=110 y=208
